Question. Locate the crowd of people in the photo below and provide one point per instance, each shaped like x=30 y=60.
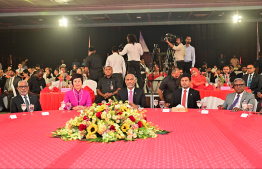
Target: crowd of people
x=116 y=79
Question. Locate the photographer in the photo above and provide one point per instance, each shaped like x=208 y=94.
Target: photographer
x=133 y=51
x=180 y=52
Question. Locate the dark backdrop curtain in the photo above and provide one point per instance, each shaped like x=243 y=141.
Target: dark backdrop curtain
x=48 y=46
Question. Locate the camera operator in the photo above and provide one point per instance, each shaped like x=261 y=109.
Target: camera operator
x=179 y=52
x=133 y=51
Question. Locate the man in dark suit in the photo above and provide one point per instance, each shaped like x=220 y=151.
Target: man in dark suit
x=10 y=89
x=189 y=96
x=244 y=72
x=210 y=75
x=135 y=96
x=253 y=80
x=2 y=80
x=24 y=98
x=227 y=74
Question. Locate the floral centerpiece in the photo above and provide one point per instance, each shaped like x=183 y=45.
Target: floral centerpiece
x=108 y=122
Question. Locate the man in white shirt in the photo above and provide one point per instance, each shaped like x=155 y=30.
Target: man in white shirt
x=117 y=62
x=180 y=52
x=190 y=56
x=19 y=70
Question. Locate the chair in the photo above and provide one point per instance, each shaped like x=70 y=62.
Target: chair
x=90 y=83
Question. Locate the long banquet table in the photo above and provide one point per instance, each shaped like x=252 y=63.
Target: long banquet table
x=220 y=139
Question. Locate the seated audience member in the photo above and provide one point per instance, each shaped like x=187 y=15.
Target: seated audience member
x=228 y=76
x=239 y=68
x=78 y=97
x=74 y=69
x=203 y=68
x=2 y=80
x=20 y=69
x=75 y=63
x=10 y=85
x=234 y=100
x=36 y=83
x=30 y=71
x=217 y=75
x=198 y=81
x=24 y=98
x=37 y=67
x=62 y=73
x=214 y=69
x=56 y=73
x=79 y=71
x=107 y=86
x=168 y=85
x=48 y=77
x=134 y=96
x=210 y=75
x=244 y=72
x=6 y=73
x=185 y=96
x=181 y=72
x=253 y=80
x=26 y=75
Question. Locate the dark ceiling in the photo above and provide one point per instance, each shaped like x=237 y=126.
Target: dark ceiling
x=16 y=14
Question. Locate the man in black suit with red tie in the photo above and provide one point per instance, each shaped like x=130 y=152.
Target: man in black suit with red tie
x=24 y=98
x=185 y=96
x=134 y=96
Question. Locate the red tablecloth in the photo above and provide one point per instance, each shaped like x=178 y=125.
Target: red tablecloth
x=217 y=93
x=221 y=139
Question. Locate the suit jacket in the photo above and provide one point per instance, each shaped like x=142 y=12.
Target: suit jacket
x=232 y=76
x=18 y=100
x=2 y=83
x=193 y=96
x=256 y=82
x=212 y=77
x=249 y=97
x=239 y=75
x=139 y=97
x=15 y=83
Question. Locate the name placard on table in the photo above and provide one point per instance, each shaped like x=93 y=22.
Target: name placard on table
x=13 y=117
x=45 y=113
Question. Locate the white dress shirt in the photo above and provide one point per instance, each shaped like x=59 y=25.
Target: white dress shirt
x=187 y=91
x=129 y=93
x=133 y=51
x=180 y=52
x=117 y=62
x=239 y=100
x=23 y=97
x=190 y=54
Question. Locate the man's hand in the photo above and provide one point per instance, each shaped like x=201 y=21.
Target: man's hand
x=166 y=39
x=237 y=109
x=133 y=105
x=220 y=107
x=167 y=104
x=105 y=96
x=6 y=92
x=110 y=94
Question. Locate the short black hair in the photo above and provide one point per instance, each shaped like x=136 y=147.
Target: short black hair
x=251 y=64
x=76 y=76
x=6 y=70
x=26 y=71
x=91 y=49
x=37 y=65
x=132 y=38
x=114 y=48
x=186 y=75
x=226 y=66
x=13 y=70
x=56 y=70
x=244 y=66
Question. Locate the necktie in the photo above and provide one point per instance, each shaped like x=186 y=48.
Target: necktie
x=249 y=81
x=10 y=84
x=131 y=96
x=184 y=99
x=234 y=103
x=27 y=103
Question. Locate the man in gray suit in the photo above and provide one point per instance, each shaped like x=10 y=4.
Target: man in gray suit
x=10 y=85
x=234 y=100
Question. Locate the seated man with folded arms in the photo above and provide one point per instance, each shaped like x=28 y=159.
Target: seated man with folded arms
x=134 y=96
x=24 y=98
x=234 y=100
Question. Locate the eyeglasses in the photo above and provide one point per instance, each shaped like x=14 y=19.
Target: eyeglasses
x=23 y=87
x=239 y=85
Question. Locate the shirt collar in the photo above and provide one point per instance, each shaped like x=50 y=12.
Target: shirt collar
x=251 y=74
x=185 y=89
x=241 y=94
x=24 y=96
x=188 y=46
x=128 y=90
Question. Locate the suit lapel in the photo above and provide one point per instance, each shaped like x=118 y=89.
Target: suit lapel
x=189 y=97
x=126 y=94
x=243 y=97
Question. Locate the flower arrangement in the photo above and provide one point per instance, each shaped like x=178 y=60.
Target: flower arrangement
x=108 y=122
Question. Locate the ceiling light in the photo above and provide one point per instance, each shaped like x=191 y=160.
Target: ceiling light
x=63 y=22
x=138 y=17
x=237 y=18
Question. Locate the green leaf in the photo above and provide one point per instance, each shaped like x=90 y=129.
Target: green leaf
x=162 y=132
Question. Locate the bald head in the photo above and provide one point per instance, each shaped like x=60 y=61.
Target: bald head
x=175 y=73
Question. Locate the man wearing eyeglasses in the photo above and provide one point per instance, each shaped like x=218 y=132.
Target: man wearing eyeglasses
x=24 y=98
x=234 y=100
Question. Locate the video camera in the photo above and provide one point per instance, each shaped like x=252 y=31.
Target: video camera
x=171 y=38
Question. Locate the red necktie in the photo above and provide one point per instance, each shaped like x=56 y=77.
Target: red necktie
x=184 y=99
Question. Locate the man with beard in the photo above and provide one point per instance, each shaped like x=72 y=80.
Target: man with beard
x=210 y=75
x=189 y=60
x=244 y=71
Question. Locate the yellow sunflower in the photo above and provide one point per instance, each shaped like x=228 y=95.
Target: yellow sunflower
x=92 y=129
x=125 y=127
x=144 y=125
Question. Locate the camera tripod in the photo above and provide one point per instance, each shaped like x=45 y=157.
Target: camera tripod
x=169 y=52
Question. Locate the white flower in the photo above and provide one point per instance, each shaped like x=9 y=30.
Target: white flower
x=134 y=135
x=108 y=116
x=129 y=137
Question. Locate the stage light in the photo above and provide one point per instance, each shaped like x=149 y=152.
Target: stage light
x=237 y=17
x=63 y=22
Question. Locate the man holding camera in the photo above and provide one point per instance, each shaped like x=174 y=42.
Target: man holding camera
x=179 y=52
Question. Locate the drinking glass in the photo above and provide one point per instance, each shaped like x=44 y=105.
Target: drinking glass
x=204 y=105
x=68 y=106
x=244 y=105
x=31 y=108
x=162 y=104
x=250 y=109
x=155 y=103
x=23 y=107
x=199 y=104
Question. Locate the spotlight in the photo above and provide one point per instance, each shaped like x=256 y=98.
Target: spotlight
x=63 y=22
x=237 y=17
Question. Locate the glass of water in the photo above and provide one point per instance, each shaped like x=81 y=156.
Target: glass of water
x=204 y=105
x=244 y=105
x=162 y=104
x=250 y=108
x=199 y=104
x=155 y=103
x=31 y=108
x=68 y=106
x=23 y=107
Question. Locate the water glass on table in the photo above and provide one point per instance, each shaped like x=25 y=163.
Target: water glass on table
x=23 y=107
x=155 y=103
x=204 y=105
x=31 y=108
x=244 y=105
x=68 y=106
x=199 y=104
x=162 y=104
x=250 y=109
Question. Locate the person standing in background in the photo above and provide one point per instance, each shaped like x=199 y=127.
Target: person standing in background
x=190 y=56
x=234 y=61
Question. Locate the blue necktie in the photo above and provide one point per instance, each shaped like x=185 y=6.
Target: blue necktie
x=249 y=81
x=234 y=103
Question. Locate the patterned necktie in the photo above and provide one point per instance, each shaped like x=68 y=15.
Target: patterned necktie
x=131 y=96
x=249 y=81
x=10 y=84
x=27 y=103
x=234 y=103
x=184 y=99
